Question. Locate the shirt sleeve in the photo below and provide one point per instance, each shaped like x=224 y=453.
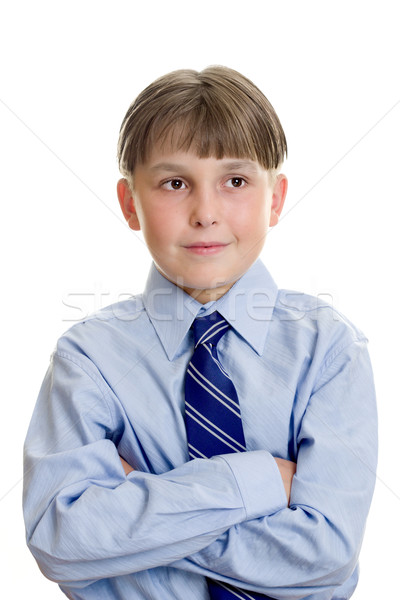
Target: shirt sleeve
x=85 y=520
x=312 y=546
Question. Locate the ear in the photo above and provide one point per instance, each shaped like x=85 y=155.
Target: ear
x=127 y=204
x=278 y=199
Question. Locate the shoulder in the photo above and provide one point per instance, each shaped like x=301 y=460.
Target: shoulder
x=106 y=328
x=312 y=319
x=310 y=340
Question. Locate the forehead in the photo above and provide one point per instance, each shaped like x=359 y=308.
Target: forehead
x=168 y=160
x=181 y=161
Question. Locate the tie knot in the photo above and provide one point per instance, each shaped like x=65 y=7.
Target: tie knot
x=209 y=329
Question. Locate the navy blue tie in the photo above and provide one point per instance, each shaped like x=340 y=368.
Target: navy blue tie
x=213 y=419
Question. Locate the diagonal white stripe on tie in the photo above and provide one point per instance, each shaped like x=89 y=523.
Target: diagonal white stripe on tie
x=199 y=415
x=212 y=394
x=201 y=340
x=212 y=432
x=207 y=381
x=236 y=592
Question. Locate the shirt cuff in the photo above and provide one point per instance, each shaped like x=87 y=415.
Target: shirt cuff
x=259 y=480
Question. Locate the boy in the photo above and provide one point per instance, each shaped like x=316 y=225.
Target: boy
x=125 y=495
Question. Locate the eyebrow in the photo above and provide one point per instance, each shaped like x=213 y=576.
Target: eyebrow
x=166 y=167
x=241 y=164
x=231 y=166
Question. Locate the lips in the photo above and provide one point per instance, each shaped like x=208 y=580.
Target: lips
x=205 y=244
x=205 y=248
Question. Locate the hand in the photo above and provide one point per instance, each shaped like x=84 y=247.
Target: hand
x=287 y=469
x=127 y=467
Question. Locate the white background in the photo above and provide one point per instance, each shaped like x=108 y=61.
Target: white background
x=69 y=70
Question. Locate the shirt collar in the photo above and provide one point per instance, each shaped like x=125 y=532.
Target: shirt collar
x=247 y=306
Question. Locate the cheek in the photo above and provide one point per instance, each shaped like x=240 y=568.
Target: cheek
x=154 y=222
x=160 y=228
x=251 y=221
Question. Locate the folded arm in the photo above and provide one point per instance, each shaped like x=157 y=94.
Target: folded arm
x=313 y=546
x=86 y=520
x=287 y=469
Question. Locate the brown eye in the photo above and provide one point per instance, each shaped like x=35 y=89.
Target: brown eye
x=174 y=184
x=236 y=182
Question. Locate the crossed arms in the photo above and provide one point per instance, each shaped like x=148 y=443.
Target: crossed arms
x=90 y=517
x=287 y=469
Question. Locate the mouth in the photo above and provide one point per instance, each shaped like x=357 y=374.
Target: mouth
x=205 y=248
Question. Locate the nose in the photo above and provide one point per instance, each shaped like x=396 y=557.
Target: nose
x=204 y=208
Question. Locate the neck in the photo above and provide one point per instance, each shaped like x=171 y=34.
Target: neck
x=207 y=295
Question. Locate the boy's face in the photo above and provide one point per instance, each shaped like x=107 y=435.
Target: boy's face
x=204 y=219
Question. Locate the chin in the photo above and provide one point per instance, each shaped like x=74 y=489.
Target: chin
x=204 y=284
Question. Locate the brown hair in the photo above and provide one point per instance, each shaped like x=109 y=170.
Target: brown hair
x=215 y=112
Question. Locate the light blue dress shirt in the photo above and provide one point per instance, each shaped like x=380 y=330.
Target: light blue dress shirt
x=115 y=386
